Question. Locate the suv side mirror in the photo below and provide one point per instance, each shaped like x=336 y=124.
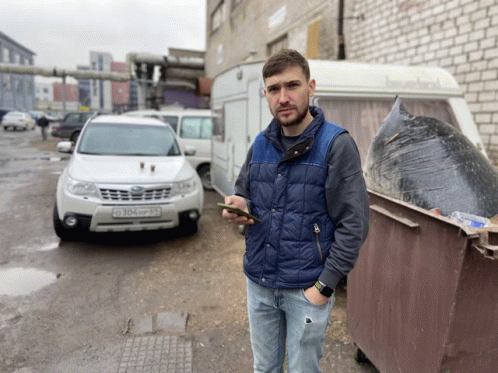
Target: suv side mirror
x=65 y=147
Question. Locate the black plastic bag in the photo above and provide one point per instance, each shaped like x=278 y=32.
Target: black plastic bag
x=430 y=164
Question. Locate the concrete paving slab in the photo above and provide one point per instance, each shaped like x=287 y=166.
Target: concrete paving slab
x=143 y=325
x=156 y=354
x=171 y=322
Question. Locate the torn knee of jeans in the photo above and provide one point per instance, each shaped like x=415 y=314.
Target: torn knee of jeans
x=308 y=321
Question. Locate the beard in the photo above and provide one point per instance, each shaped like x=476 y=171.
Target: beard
x=300 y=117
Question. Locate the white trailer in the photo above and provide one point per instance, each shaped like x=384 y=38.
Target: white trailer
x=355 y=96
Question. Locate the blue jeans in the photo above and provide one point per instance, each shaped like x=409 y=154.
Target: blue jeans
x=280 y=318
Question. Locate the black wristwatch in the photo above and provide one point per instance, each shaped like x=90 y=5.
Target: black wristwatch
x=324 y=289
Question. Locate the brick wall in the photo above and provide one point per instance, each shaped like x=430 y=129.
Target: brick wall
x=457 y=35
x=72 y=92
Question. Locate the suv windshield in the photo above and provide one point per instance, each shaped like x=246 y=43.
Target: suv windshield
x=128 y=140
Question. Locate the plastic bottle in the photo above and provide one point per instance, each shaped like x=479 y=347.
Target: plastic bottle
x=470 y=220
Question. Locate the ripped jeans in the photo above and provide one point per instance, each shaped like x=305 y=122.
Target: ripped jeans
x=280 y=318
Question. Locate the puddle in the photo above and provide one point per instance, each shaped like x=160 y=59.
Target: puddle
x=54 y=159
x=49 y=246
x=22 y=281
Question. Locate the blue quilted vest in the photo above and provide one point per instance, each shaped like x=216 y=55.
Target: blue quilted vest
x=288 y=249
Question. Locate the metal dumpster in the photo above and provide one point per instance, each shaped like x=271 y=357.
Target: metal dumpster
x=423 y=296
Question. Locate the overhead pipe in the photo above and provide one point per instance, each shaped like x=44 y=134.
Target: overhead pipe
x=60 y=73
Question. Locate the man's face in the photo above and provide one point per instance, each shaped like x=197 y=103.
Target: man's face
x=288 y=95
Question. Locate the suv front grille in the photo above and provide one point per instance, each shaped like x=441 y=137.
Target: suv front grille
x=126 y=195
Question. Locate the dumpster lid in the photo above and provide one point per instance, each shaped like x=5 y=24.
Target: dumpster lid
x=484 y=239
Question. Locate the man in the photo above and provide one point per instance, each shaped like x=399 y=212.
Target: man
x=43 y=123
x=303 y=179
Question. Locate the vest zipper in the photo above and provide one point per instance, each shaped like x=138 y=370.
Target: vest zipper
x=317 y=238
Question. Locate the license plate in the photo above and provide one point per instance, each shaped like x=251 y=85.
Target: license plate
x=136 y=212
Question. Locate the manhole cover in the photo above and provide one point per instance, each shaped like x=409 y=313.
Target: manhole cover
x=156 y=354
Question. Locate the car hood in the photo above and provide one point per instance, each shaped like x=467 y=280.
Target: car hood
x=111 y=169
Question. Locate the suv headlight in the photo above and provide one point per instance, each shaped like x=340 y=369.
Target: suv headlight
x=185 y=187
x=81 y=188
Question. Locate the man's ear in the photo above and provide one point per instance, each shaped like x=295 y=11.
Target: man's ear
x=312 y=86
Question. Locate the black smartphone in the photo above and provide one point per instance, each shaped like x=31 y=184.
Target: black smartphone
x=239 y=212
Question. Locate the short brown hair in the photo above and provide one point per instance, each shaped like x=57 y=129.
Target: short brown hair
x=283 y=59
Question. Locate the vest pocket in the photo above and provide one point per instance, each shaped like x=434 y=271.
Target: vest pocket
x=316 y=233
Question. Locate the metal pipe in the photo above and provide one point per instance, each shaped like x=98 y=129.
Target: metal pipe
x=54 y=72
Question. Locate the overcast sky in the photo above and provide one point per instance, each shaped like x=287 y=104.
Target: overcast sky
x=63 y=32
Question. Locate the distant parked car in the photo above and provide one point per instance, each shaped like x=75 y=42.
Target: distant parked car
x=70 y=127
x=126 y=174
x=18 y=120
x=194 y=129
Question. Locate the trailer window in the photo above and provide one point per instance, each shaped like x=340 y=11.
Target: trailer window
x=362 y=117
x=196 y=128
x=219 y=125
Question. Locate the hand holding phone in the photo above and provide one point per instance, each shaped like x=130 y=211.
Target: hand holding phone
x=238 y=211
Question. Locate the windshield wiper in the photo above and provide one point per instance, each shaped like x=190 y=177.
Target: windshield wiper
x=91 y=153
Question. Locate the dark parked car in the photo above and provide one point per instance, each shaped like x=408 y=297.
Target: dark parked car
x=70 y=127
x=3 y=112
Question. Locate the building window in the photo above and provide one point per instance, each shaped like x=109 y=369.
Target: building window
x=6 y=55
x=17 y=58
x=218 y=16
x=7 y=83
x=276 y=45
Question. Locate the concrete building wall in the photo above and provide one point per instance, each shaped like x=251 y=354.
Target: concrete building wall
x=84 y=87
x=457 y=35
x=251 y=30
x=44 y=91
x=17 y=91
x=101 y=90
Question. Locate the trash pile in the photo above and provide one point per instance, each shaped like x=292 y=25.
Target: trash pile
x=432 y=165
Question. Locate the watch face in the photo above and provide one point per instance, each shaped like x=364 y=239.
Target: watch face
x=323 y=289
x=327 y=291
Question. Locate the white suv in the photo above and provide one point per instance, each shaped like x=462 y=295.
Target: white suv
x=193 y=128
x=126 y=174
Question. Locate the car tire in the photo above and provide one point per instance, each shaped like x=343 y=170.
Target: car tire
x=74 y=136
x=61 y=232
x=205 y=175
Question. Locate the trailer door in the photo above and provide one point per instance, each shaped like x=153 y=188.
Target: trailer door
x=254 y=111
